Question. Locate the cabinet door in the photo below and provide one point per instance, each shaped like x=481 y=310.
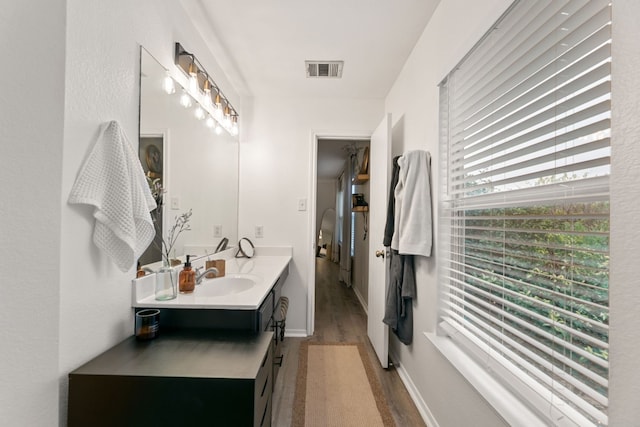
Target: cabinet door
x=263 y=390
x=265 y=313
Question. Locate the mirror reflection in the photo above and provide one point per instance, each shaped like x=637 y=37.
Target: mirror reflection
x=189 y=166
x=326 y=234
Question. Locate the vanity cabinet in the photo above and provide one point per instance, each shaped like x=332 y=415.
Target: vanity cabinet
x=228 y=318
x=253 y=321
x=278 y=333
x=196 y=377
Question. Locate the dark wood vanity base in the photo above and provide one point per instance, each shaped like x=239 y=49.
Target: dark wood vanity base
x=196 y=377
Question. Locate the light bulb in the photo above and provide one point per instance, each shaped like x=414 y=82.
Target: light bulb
x=226 y=122
x=210 y=122
x=193 y=78
x=199 y=113
x=168 y=85
x=207 y=93
x=218 y=129
x=234 y=126
x=193 y=84
x=185 y=99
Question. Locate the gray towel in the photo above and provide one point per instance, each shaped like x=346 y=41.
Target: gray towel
x=391 y=204
x=400 y=294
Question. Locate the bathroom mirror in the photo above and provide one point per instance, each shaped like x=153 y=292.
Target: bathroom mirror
x=199 y=168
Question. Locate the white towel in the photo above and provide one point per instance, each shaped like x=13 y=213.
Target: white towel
x=412 y=225
x=112 y=180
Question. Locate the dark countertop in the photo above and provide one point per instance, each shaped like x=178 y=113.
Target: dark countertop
x=184 y=354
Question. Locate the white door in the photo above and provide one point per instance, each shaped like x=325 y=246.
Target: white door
x=379 y=180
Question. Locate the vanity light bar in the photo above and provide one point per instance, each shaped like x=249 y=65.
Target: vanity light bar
x=223 y=112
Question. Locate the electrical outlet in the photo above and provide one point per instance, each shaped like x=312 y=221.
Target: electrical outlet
x=259 y=232
x=302 y=204
x=217 y=231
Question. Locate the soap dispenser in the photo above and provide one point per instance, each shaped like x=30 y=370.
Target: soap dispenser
x=187 y=278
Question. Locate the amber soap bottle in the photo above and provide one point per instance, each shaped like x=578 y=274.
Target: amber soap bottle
x=187 y=278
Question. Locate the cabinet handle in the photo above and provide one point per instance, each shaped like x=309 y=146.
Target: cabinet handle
x=279 y=361
x=264 y=413
x=264 y=387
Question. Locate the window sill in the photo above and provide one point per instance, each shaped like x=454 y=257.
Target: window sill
x=505 y=403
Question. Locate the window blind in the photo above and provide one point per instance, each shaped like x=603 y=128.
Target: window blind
x=524 y=212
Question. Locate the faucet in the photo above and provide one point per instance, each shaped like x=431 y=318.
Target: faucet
x=207 y=271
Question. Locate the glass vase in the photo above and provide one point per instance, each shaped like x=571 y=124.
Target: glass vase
x=166 y=282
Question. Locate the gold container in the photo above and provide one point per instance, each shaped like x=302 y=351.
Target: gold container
x=217 y=263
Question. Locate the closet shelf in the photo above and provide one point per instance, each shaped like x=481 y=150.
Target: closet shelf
x=360 y=209
x=361 y=178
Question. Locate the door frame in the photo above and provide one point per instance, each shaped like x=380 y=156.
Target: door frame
x=311 y=226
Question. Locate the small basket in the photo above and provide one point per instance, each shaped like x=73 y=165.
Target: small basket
x=280 y=317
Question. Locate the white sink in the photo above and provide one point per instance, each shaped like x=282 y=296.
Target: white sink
x=227 y=285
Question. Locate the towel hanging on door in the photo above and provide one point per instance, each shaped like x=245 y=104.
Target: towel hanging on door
x=113 y=182
x=391 y=204
x=401 y=291
x=413 y=223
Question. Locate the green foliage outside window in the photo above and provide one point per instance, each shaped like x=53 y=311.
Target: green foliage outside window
x=544 y=270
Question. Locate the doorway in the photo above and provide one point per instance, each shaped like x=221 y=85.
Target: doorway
x=337 y=160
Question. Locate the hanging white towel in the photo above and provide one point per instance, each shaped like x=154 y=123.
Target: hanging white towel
x=412 y=226
x=112 y=180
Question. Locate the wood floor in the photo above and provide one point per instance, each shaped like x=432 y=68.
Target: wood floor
x=339 y=318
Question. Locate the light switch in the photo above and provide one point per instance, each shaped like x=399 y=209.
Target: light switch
x=302 y=204
x=175 y=202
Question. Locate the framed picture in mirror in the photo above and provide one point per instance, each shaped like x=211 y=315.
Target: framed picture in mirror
x=151 y=155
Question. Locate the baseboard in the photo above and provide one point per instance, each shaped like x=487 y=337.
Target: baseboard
x=363 y=303
x=425 y=413
x=295 y=333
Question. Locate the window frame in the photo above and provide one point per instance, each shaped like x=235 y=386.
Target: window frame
x=525 y=389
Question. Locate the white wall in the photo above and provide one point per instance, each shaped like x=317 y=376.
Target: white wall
x=31 y=140
x=413 y=101
x=624 y=375
x=276 y=169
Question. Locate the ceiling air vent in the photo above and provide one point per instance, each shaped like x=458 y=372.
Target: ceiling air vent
x=332 y=69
